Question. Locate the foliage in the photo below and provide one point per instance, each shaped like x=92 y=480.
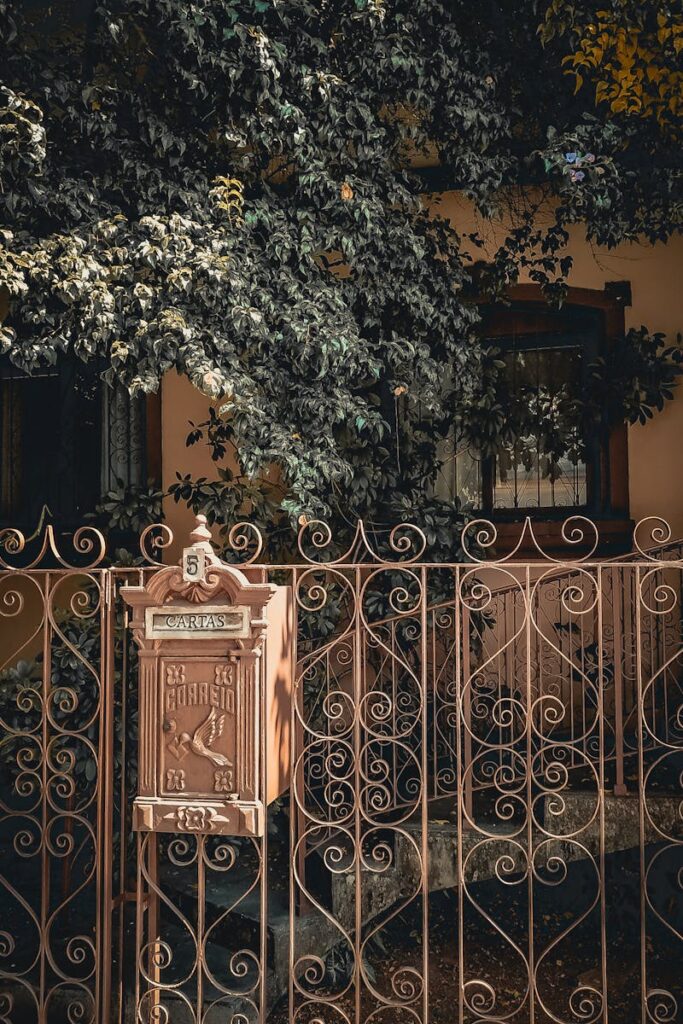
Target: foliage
x=129 y=508
x=226 y=188
x=633 y=380
x=629 y=52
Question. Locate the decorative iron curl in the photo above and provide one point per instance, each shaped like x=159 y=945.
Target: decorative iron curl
x=319 y=535
x=182 y=851
x=238 y=1017
x=240 y=542
x=586 y=1003
x=6 y=1007
x=155 y=538
x=12 y=604
x=242 y=962
x=405 y=540
x=662 y=1006
x=81 y=1006
x=13 y=542
x=155 y=1013
x=651 y=533
x=158 y=952
x=575 y=531
x=407 y=984
x=27 y=843
x=573 y=598
x=86 y=541
x=301 y=1014
x=401 y=543
x=80 y=950
x=662 y=599
x=479 y=996
x=222 y=857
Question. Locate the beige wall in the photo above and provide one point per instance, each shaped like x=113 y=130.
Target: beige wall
x=655 y=451
x=180 y=403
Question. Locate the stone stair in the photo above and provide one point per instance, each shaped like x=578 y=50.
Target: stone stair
x=481 y=852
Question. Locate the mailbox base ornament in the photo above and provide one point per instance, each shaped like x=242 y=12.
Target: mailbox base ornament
x=232 y=818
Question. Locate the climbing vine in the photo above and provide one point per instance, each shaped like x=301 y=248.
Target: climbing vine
x=233 y=190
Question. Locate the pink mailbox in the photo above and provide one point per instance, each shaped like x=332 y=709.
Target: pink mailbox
x=215 y=681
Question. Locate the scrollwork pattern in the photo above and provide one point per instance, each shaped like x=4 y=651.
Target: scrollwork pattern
x=50 y=804
x=187 y=956
x=463 y=726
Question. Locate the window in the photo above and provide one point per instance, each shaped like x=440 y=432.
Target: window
x=550 y=469
x=65 y=438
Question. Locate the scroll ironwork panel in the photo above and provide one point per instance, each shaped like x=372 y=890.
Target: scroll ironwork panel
x=484 y=821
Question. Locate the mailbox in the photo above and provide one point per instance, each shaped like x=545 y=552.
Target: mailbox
x=215 y=680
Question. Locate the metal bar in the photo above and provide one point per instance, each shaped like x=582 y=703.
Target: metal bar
x=357 y=789
x=424 y=798
x=529 y=797
x=105 y=779
x=263 y=854
x=601 y=796
x=620 y=788
x=140 y=907
x=467 y=708
x=123 y=811
x=641 y=799
x=201 y=925
x=460 y=683
x=45 y=863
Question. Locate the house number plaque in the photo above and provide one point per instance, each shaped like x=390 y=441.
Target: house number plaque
x=214 y=688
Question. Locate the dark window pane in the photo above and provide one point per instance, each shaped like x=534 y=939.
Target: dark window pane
x=49 y=446
x=546 y=467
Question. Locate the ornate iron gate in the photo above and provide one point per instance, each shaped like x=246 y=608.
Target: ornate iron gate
x=484 y=822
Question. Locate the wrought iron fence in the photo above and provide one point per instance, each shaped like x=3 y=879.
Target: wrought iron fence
x=484 y=821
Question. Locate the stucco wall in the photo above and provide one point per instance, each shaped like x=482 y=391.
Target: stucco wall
x=655 y=451
x=180 y=404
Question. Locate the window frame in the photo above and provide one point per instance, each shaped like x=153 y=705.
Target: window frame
x=586 y=338
x=612 y=497
x=608 y=505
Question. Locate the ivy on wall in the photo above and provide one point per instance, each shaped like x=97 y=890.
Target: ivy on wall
x=229 y=189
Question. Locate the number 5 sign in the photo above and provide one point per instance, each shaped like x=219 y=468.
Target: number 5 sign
x=194 y=565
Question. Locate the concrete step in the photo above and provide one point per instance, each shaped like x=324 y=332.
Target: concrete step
x=567 y=826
